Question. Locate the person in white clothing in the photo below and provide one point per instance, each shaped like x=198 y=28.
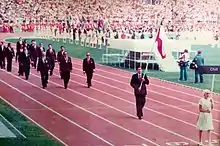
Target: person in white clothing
x=205 y=121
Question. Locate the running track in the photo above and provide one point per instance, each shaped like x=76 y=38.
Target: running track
x=105 y=114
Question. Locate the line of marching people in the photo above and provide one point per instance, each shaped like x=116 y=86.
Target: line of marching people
x=37 y=57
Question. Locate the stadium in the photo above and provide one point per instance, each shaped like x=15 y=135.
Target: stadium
x=49 y=97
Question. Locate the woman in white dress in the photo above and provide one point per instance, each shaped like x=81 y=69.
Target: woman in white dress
x=205 y=122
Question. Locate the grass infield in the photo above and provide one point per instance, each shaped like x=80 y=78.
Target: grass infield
x=34 y=135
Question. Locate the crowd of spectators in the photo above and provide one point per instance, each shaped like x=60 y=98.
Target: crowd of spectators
x=119 y=15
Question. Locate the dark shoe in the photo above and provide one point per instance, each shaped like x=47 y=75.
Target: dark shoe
x=140 y=118
x=26 y=78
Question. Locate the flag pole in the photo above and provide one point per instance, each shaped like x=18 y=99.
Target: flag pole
x=213 y=85
x=146 y=68
x=151 y=51
x=212 y=88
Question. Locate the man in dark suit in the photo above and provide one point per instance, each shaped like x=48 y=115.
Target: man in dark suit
x=24 y=62
x=9 y=56
x=66 y=68
x=40 y=50
x=51 y=54
x=44 y=67
x=19 y=45
x=60 y=57
x=89 y=68
x=33 y=53
x=20 y=65
x=2 y=55
x=139 y=82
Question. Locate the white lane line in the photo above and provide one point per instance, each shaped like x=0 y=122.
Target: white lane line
x=59 y=97
x=74 y=123
x=12 y=125
x=179 y=135
x=168 y=96
x=29 y=118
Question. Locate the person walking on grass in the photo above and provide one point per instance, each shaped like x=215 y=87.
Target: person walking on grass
x=205 y=121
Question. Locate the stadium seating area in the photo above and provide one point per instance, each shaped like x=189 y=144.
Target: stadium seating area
x=120 y=15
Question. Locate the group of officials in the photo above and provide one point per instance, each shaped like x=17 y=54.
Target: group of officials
x=37 y=57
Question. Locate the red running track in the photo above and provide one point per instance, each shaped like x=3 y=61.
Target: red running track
x=105 y=114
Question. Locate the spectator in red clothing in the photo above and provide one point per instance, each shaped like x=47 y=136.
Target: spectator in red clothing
x=123 y=36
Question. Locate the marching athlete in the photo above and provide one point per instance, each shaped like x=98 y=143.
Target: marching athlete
x=60 y=57
x=89 y=68
x=44 y=67
x=51 y=54
x=139 y=82
x=66 y=68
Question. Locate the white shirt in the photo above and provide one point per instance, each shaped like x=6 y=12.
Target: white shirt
x=44 y=59
x=26 y=52
x=184 y=57
x=139 y=75
x=66 y=58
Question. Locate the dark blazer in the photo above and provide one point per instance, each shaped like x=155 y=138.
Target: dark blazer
x=66 y=65
x=43 y=66
x=33 y=51
x=9 y=53
x=60 y=56
x=25 y=60
x=39 y=51
x=136 y=82
x=2 y=52
x=88 y=66
x=18 y=46
x=52 y=55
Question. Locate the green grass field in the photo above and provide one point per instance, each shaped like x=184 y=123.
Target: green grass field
x=34 y=135
x=211 y=56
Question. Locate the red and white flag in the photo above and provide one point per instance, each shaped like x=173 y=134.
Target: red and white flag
x=160 y=38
